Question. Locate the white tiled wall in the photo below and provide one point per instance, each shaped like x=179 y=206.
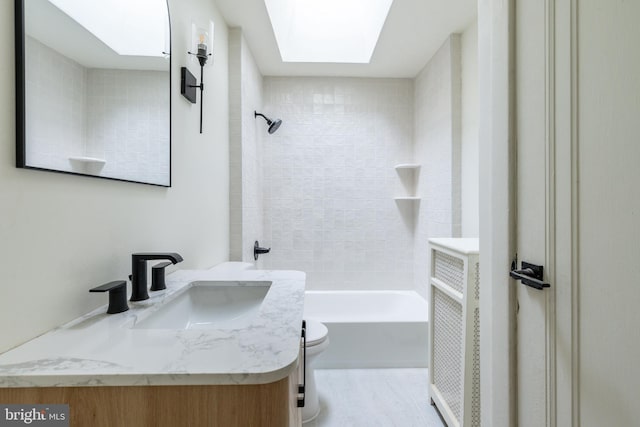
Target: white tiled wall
x=252 y=156
x=330 y=181
x=56 y=98
x=235 y=144
x=121 y=116
x=470 y=176
x=246 y=150
x=324 y=183
x=437 y=147
x=128 y=123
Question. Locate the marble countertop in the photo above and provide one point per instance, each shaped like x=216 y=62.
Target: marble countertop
x=100 y=349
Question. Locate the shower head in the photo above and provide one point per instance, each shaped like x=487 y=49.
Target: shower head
x=273 y=124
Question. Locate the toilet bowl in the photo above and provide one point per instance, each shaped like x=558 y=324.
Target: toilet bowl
x=317 y=341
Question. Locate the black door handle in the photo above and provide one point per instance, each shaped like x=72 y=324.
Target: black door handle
x=529 y=274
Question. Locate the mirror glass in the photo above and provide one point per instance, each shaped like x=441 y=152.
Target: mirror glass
x=94 y=89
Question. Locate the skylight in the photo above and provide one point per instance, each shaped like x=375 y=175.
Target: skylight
x=343 y=31
x=128 y=27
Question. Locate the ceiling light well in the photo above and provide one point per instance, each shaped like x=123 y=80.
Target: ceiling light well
x=331 y=31
x=137 y=28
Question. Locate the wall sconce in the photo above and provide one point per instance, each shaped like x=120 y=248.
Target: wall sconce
x=201 y=40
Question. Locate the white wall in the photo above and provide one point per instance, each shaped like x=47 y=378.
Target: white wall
x=246 y=149
x=330 y=181
x=60 y=235
x=437 y=148
x=470 y=164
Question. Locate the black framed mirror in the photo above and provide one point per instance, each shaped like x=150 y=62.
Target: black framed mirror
x=93 y=88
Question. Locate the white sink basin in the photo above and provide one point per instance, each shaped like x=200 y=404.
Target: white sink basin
x=209 y=305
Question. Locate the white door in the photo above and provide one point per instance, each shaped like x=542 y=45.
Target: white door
x=578 y=211
x=532 y=305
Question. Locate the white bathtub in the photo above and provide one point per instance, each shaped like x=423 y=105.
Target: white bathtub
x=371 y=329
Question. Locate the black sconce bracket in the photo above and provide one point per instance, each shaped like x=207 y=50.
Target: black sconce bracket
x=188 y=82
x=187 y=85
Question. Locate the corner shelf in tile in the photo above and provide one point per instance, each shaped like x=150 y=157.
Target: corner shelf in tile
x=89 y=160
x=408 y=166
x=87 y=165
x=408 y=175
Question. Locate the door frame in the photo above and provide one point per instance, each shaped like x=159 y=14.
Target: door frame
x=563 y=214
x=498 y=185
x=496 y=132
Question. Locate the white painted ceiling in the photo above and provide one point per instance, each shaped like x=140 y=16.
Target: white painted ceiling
x=413 y=32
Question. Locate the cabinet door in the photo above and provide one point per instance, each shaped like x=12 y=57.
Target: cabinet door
x=295 y=378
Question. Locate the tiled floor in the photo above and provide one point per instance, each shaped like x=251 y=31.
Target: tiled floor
x=374 y=398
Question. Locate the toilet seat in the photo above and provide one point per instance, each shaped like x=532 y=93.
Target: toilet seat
x=316 y=333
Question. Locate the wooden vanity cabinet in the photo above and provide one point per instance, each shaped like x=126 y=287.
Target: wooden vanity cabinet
x=259 y=405
x=295 y=413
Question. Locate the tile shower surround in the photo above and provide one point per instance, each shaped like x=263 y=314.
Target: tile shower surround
x=101 y=114
x=60 y=114
x=437 y=146
x=329 y=181
x=326 y=178
x=127 y=123
x=245 y=150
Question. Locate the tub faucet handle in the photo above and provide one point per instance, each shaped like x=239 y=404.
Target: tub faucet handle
x=257 y=250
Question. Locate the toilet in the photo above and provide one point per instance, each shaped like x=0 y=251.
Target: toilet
x=317 y=341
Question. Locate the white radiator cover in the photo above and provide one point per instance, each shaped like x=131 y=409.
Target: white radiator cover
x=454 y=322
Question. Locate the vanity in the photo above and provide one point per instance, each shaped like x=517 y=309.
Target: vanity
x=218 y=347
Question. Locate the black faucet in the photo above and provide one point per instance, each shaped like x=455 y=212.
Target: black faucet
x=139 y=271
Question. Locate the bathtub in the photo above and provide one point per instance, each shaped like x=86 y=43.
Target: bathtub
x=371 y=329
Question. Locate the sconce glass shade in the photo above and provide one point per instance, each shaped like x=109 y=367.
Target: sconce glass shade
x=202 y=42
